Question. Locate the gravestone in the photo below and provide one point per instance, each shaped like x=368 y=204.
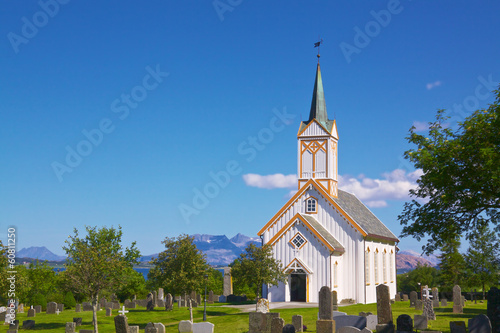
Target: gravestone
x=129 y=304
x=349 y=329
x=325 y=326
x=204 y=327
x=288 y=328
x=480 y=324
x=185 y=326
x=444 y=302
x=51 y=308
x=161 y=294
x=160 y=327
x=222 y=299
x=457 y=299
x=210 y=297
x=198 y=298
x=87 y=306
x=78 y=308
x=262 y=305
x=457 y=327
x=352 y=321
x=397 y=298
x=371 y=322
x=404 y=323
x=325 y=304
x=109 y=312
x=150 y=305
x=463 y=300
x=405 y=297
x=108 y=305
x=493 y=309
x=298 y=323
x=115 y=305
x=20 y=308
x=256 y=322
x=420 y=322
x=14 y=325
x=335 y=306
x=429 y=310
x=102 y=302
x=160 y=303
x=384 y=310
x=435 y=293
x=155 y=297
x=70 y=328
x=150 y=329
x=78 y=321
x=133 y=329
x=169 y=305
x=413 y=298
x=228 y=283
x=38 y=308
x=269 y=320
x=419 y=305
x=277 y=325
x=31 y=313
x=28 y=324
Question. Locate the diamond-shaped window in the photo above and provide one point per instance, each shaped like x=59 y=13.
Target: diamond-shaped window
x=298 y=241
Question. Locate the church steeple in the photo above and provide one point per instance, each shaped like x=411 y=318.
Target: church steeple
x=318 y=105
x=317 y=143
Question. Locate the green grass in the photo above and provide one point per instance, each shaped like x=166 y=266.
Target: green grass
x=232 y=320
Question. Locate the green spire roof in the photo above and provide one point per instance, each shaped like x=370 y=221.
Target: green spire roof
x=318 y=105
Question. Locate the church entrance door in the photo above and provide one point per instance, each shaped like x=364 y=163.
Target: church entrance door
x=298 y=285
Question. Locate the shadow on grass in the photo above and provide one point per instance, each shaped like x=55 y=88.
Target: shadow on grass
x=48 y=326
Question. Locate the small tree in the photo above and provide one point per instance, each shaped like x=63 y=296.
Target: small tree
x=483 y=258
x=95 y=263
x=180 y=268
x=43 y=281
x=256 y=267
x=422 y=275
x=452 y=265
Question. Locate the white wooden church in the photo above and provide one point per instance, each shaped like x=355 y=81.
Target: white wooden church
x=324 y=236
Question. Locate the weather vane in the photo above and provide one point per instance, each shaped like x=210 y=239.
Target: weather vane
x=317 y=44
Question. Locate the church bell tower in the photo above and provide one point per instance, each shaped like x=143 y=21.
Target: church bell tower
x=317 y=144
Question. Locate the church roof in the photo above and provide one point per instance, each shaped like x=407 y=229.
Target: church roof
x=323 y=232
x=363 y=216
x=349 y=206
x=318 y=105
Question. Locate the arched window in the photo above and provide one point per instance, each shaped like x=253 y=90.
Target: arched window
x=311 y=205
x=375 y=265
x=367 y=266
x=335 y=275
x=391 y=265
x=384 y=266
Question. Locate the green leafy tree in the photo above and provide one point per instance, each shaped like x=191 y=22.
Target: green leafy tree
x=96 y=261
x=43 y=281
x=452 y=264
x=255 y=267
x=69 y=300
x=3 y=273
x=422 y=275
x=459 y=190
x=180 y=268
x=132 y=283
x=483 y=258
x=215 y=281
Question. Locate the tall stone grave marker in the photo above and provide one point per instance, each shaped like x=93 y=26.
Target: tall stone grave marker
x=228 y=282
x=169 y=305
x=435 y=297
x=325 y=315
x=51 y=308
x=429 y=309
x=480 y=324
x=121 y=324
x=413 y=298
x=384 y=310
x=493 y=309
x=457 y=299
x=150 y=305
x=161 y=294
x=334 y=301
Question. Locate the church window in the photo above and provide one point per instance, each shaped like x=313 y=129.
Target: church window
x=311 y=205
x=298 y=241
x=367 y=268
x=375 y=266
x=335 y=275
x=384 y=266
x=391 y=266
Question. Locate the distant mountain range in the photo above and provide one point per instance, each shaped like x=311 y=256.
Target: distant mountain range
x=221 y=251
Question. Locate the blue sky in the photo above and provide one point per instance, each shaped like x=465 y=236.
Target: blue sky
x=157 y=97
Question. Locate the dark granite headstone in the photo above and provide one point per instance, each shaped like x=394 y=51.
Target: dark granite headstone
x=457 y=327
x=325 y=304
x=78 y=307
x=493 y=309
x=121 y=324
x=480 y=324
x=31 y=313
x=60 y=307
x=78 y=321
x=413 y=298
x=352 y=321
x=38 y=308
x=211 y=297
x=404 y=323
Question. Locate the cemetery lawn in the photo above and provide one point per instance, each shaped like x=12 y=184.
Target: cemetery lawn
x=231 y=320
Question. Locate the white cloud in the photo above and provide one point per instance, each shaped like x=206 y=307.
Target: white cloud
x=433 y=85
x=374 y=192
x=420 y=126
x=277 y=180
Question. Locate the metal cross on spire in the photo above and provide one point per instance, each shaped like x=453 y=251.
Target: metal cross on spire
x=317 y=44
